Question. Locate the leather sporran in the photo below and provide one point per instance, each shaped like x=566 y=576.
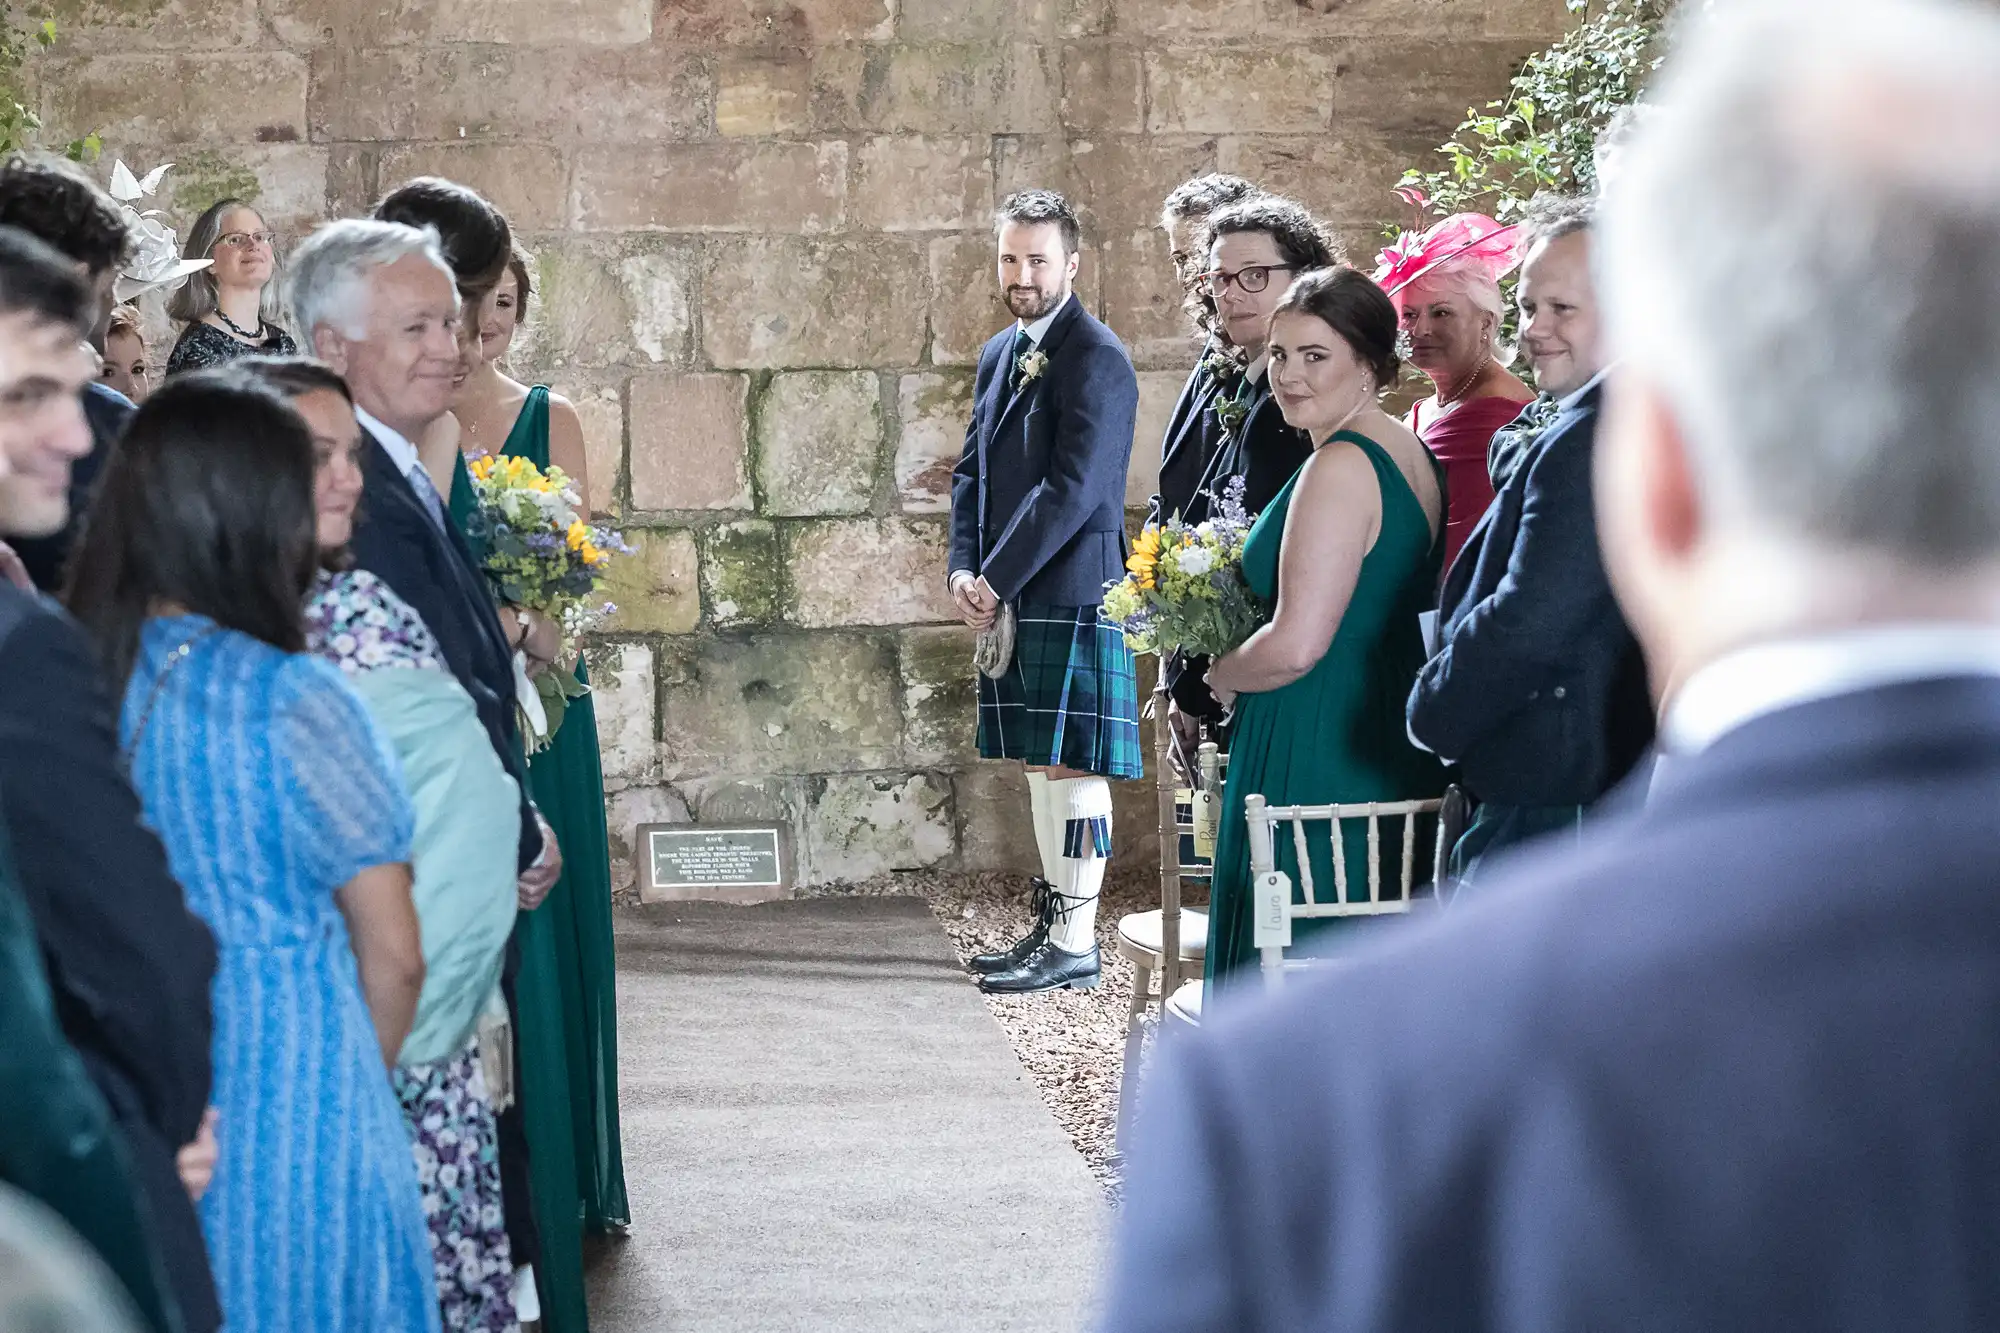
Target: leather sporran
x=993 y=650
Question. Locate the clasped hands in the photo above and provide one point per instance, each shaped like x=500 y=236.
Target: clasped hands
x=534 y=634
x=975 y=600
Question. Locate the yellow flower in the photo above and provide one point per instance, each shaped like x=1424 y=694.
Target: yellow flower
x=1145 y=558
x=591 y=555
x=578 y=537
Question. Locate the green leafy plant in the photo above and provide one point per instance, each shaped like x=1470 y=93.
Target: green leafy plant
x=20 y=127
x=1543 y=134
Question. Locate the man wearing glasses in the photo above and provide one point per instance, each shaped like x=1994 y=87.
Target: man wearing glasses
x=1255 y=249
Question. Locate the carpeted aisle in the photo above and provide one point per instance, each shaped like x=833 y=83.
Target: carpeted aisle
x=826 y=1130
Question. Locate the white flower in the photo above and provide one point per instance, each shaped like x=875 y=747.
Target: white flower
x=1030 y=365
x=1196 y=561
x=1204 y=530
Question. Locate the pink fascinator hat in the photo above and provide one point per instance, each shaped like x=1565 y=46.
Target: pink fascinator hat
x=1471 y=238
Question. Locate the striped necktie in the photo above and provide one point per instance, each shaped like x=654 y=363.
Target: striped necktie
x=420 y=482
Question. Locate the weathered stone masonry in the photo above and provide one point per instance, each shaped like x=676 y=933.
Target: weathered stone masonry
x=760 y=237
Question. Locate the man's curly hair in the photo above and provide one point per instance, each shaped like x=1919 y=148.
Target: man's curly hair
x=1302 y=240
x=59 y=205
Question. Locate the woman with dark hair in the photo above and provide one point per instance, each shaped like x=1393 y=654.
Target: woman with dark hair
x=1251 y=251
x=1348 y=553
x=463 y=857
x=549 y=1148
x=477 y=240
x=286 y=821
x=499 y=414
x=230 y=308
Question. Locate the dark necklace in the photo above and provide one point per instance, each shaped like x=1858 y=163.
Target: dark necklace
x=238 y=329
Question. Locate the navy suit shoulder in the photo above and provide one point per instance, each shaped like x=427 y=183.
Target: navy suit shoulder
x=129 y=966
x=1675 y=1078
x=1185 y=449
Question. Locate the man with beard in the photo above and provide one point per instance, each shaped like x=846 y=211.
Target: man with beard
x=1037 y=530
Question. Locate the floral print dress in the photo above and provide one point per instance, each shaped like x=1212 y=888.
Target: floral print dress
x=356 y=622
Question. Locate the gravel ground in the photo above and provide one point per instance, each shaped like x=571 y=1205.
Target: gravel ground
x=1072 y=1042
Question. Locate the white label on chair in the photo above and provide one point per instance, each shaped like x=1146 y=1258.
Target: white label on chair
x=1207 y=810
x=1271 y=895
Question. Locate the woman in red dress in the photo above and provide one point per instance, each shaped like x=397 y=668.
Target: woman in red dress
x=1446 y=286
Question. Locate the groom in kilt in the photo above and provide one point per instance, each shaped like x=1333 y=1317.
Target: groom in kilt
x=1037 y=530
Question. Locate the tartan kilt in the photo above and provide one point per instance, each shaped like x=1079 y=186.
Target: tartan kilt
x=1070 y=697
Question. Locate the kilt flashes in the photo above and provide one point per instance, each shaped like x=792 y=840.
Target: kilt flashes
x=1069 y=698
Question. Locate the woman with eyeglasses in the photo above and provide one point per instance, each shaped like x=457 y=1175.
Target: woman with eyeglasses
x=230 y=309
x=1252 y=250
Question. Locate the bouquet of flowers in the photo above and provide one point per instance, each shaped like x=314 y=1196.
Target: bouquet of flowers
x=1185 y=591
x=540 y=554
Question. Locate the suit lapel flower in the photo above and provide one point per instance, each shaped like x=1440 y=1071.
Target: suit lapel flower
x=1221 y=366
x=1028 y=367
x=1230 y=413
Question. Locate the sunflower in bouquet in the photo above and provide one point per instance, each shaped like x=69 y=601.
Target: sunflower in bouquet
x=540 y=553
x=1184 y=590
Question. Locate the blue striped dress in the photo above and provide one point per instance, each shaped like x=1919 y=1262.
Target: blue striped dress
x=270 y=787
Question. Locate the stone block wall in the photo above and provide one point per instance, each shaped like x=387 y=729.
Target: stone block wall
x=760 y=236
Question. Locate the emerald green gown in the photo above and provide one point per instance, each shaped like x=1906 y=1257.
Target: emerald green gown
x=568 y=1014
x=1337 y=733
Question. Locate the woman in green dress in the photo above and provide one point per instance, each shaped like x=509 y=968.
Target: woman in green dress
x=1350 y=552
x=497 y=414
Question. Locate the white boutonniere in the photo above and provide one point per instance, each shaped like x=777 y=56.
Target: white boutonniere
x=1222 y=367
x=1028 y=367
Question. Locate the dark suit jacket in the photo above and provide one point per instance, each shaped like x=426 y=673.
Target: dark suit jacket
x=1538 y=691
x=1038 y=496
x=61 y=1145
x=107 y=411
x=1266 y=453
x=1190 y=443
x=129 y=965
x=1725 y=1066
x=395 y=540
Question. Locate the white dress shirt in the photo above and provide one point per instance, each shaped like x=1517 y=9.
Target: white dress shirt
x=400 y=449
x=1752 y=682
x=408 y=462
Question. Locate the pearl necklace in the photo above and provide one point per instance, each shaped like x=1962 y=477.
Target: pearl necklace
x=1464 y=386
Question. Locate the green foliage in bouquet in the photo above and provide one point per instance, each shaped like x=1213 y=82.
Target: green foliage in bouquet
x=1184 y=589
